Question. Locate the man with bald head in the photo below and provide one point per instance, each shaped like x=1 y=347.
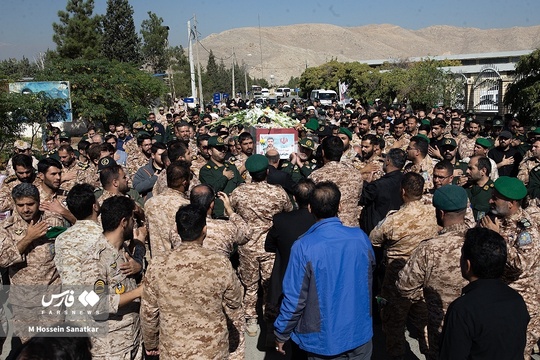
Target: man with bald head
x=276 y=176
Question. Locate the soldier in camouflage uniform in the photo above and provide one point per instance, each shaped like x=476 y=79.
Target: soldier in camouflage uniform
x=218 y=173
x=466 y=143
x=400 y=233
x=257 y=202
x=190 y=280
x=102 y=269
x=529 y=164
x=141 y=157
x=222 y=236
x=24 y=172
x=72 y=245
x=520 y=231
x=349 y=154
x=433 y=272
x=27 y=250
x=345 y=176
x=73 y=171
x=303 y=162
x=370 y=165
x=399 y=139
x=420 y=162
x=21 y=147
x=161 y=209
x=245 y=140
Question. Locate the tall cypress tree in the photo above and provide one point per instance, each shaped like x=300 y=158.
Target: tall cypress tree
x=120 y=40
x=154 y=47
x=79 y=33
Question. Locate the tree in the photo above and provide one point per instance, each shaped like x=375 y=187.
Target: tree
x=105 y=90
x=155 y=43
x=179 y=76
x=79 y=33
x=120 y=40
x=523 y=95
x=15 y=70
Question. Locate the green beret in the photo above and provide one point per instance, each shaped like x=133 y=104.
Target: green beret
x=449 y=142
x=424 y=137
x=312 y=124
x=483 y=142
x=510 y=187
x=536 y=131
x=344 y=130
x=216 y=141
x=106 y=162
x=307 y=143
x=450 y=198
x=425 y=122
x=256 y=163
x=141 y=133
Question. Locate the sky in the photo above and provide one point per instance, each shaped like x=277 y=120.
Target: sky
x=26 y=25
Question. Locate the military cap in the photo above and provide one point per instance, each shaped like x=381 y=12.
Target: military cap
x=256 y=163
x=106 y=162
x=149 y=127
x=488 y=120
x=497 y=122
x=64 y=135
x=141 y=133
x=483 y=142
x=161 y=108
x=468 y=120
x=344 y=130
x=324 y=131
x=216 y=141
x=425 y=122
x=138 y=125
x=424 y=137
x=307 y=143
x=536 y=131
x=510 y=187
x=449 y=142
x=21 y=145
x=450 y=198
x=312 y=124
x=505 y=134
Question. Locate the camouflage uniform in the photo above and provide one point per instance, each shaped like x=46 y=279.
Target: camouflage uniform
x=425 y=168
x=523 y=244
x=433 y=273
x=392 y=142
x=400 y=233
x=377 y=160
x=197 y=163
x=349 y=155
x=470 y=221
x=349 y=180
x=466 y=146
x=238 y=161
x=101 y=269
x=131 y=147
x=82 y=173
x=161 y=183
x=6 y=201
x=160 y=213
x=257 y=203
x=182 y=311
x=135 y=161
x=33 y=267
x=525 y=167
x=72 y=247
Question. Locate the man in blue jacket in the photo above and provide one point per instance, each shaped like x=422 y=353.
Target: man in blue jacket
x=326 y=307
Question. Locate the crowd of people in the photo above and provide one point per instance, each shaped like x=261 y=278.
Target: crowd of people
x=193 y=241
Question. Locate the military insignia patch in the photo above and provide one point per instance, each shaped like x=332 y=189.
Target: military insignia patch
x=52 y=249
x=19 y=231
x=219 y=140
x=208 y=167
x=104 y=161
x=113 y=265
x=524 y=239
x=215 y=167
x=309 y=143
x=119 y=289
x=99 y=286
x=486 y=187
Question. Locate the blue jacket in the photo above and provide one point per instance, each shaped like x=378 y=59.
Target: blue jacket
x=326 y=307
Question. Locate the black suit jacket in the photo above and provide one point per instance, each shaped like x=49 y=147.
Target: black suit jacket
x=278 y=177
x=286 y=229
x=378 y=198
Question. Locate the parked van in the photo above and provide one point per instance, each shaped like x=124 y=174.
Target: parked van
x=325 y=97
x=283 y=92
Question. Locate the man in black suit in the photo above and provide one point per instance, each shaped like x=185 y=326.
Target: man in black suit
x=275 y=176
x=382 y=195
x=286 y=228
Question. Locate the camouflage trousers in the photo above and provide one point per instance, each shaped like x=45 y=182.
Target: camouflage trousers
x=533 y=334
x=135 y=354
x=236 y=325
x=394 y=317
x=254 y=267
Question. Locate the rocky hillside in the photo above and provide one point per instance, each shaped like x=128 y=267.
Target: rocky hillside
x=287 y=50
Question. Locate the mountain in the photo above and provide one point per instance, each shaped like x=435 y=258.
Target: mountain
x=287 y=50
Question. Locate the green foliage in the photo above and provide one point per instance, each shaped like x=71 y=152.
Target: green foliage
x=120 y=40
x=105 y=90
x=155 y=43
x=523 y=95
x=79 y=33
x=14 y=70
x=180 y=85
x=293 y=83
x=17 y=110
